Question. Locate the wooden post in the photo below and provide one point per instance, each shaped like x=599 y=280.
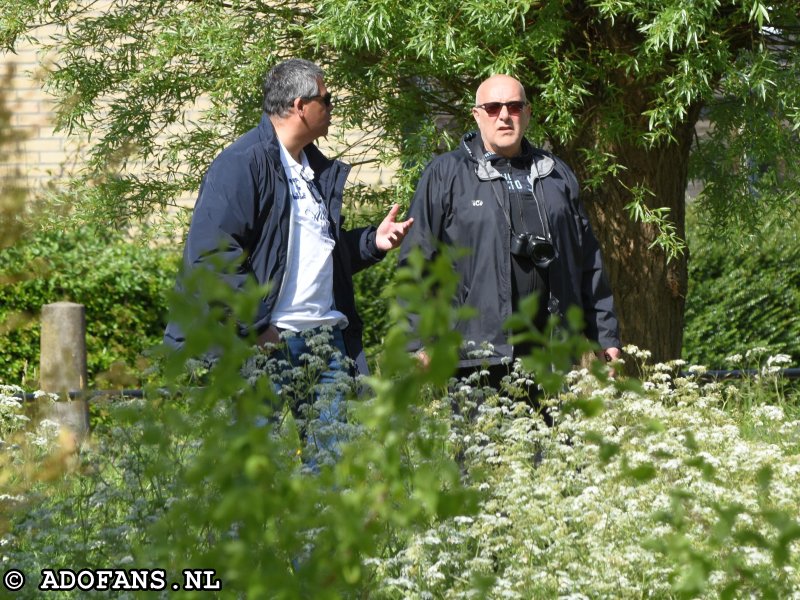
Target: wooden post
x=62 y=364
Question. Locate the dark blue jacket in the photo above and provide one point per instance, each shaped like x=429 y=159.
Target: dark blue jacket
x=242 y=218
x=456 y=202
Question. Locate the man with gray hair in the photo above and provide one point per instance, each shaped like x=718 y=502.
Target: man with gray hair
x=269 y=210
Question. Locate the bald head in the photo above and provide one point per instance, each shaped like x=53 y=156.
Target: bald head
x=502 y=114
x=487 y=87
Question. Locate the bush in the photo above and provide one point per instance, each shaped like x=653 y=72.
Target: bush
x=679 y=498
x=123 y=286
x=215 y=476
x=373 y=304
x=744 y=295
x=371 y=285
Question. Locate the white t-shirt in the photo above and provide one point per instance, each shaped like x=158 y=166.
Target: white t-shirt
x=306 y=296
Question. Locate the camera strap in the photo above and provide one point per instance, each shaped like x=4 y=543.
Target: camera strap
x=542 y=217
x=502 y=208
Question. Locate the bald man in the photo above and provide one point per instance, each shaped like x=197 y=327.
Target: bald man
x=515 y=208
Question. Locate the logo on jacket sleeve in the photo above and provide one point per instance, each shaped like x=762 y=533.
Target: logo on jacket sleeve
x=477 y=202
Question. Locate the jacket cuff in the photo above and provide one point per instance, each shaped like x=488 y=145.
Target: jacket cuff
x=372 y=247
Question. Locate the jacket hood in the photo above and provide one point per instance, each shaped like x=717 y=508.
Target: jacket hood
x=472 y=145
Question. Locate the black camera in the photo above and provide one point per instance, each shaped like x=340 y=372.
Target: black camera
x=534 y=247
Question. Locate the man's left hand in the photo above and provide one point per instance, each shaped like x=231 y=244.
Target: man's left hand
x=610 y=355
x=390 y=233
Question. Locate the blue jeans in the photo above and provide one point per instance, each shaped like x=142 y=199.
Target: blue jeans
x=315 y=388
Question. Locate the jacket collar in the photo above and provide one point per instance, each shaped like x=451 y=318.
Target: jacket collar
x=541 y=164
x=331 y=175
x=316 y=159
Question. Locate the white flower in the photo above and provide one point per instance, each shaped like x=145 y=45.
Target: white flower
x=756 y=352
x=636 y=352
x=9 y=498
x=768 y=413
x=779 y=359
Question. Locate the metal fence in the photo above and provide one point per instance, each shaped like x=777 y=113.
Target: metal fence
x=63 y=368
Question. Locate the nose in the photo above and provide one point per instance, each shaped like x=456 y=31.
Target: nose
x=504 y=114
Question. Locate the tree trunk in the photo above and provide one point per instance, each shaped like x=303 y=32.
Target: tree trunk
x=649 y=292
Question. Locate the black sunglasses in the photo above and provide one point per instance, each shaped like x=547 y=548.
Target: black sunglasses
x=327 y=98
x=493 y=109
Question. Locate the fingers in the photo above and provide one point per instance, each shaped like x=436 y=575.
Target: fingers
x=392 y=216
x=402 y=228
x=394 y=237
x=390 y=233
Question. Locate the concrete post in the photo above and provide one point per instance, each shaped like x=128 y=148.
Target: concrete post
x=62 y=364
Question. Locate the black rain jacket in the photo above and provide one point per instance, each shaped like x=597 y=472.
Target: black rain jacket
x=456 y=202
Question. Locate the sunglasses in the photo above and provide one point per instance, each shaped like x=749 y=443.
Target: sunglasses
x=493 y=109
x=327 y=98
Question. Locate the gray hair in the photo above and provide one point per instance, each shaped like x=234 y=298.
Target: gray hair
x=290 y=79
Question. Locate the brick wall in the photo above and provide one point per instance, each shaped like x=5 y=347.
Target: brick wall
x=42 y=154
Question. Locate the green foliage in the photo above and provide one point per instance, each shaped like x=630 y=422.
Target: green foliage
x=617 y=89
x=659 y=481
x=220 y=476
x=748 y=159
x=667 y=239
x=743 y=294
x=605 y=77
x=594 y=72
x=373 y=287
x=554 y=350
x=132 y=76
x=123 y=286
x=434 y=323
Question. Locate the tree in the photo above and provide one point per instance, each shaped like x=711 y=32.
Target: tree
x=617 y=89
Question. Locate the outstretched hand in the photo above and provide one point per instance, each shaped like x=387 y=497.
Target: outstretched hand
x=390 y=233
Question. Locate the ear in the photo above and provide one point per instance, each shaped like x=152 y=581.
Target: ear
x=475 y=114
x=298 y=105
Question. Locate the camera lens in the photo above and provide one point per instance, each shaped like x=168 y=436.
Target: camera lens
x=541 y=251
x=533 y=247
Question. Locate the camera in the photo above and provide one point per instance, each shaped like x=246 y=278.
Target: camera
x=534 y=247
